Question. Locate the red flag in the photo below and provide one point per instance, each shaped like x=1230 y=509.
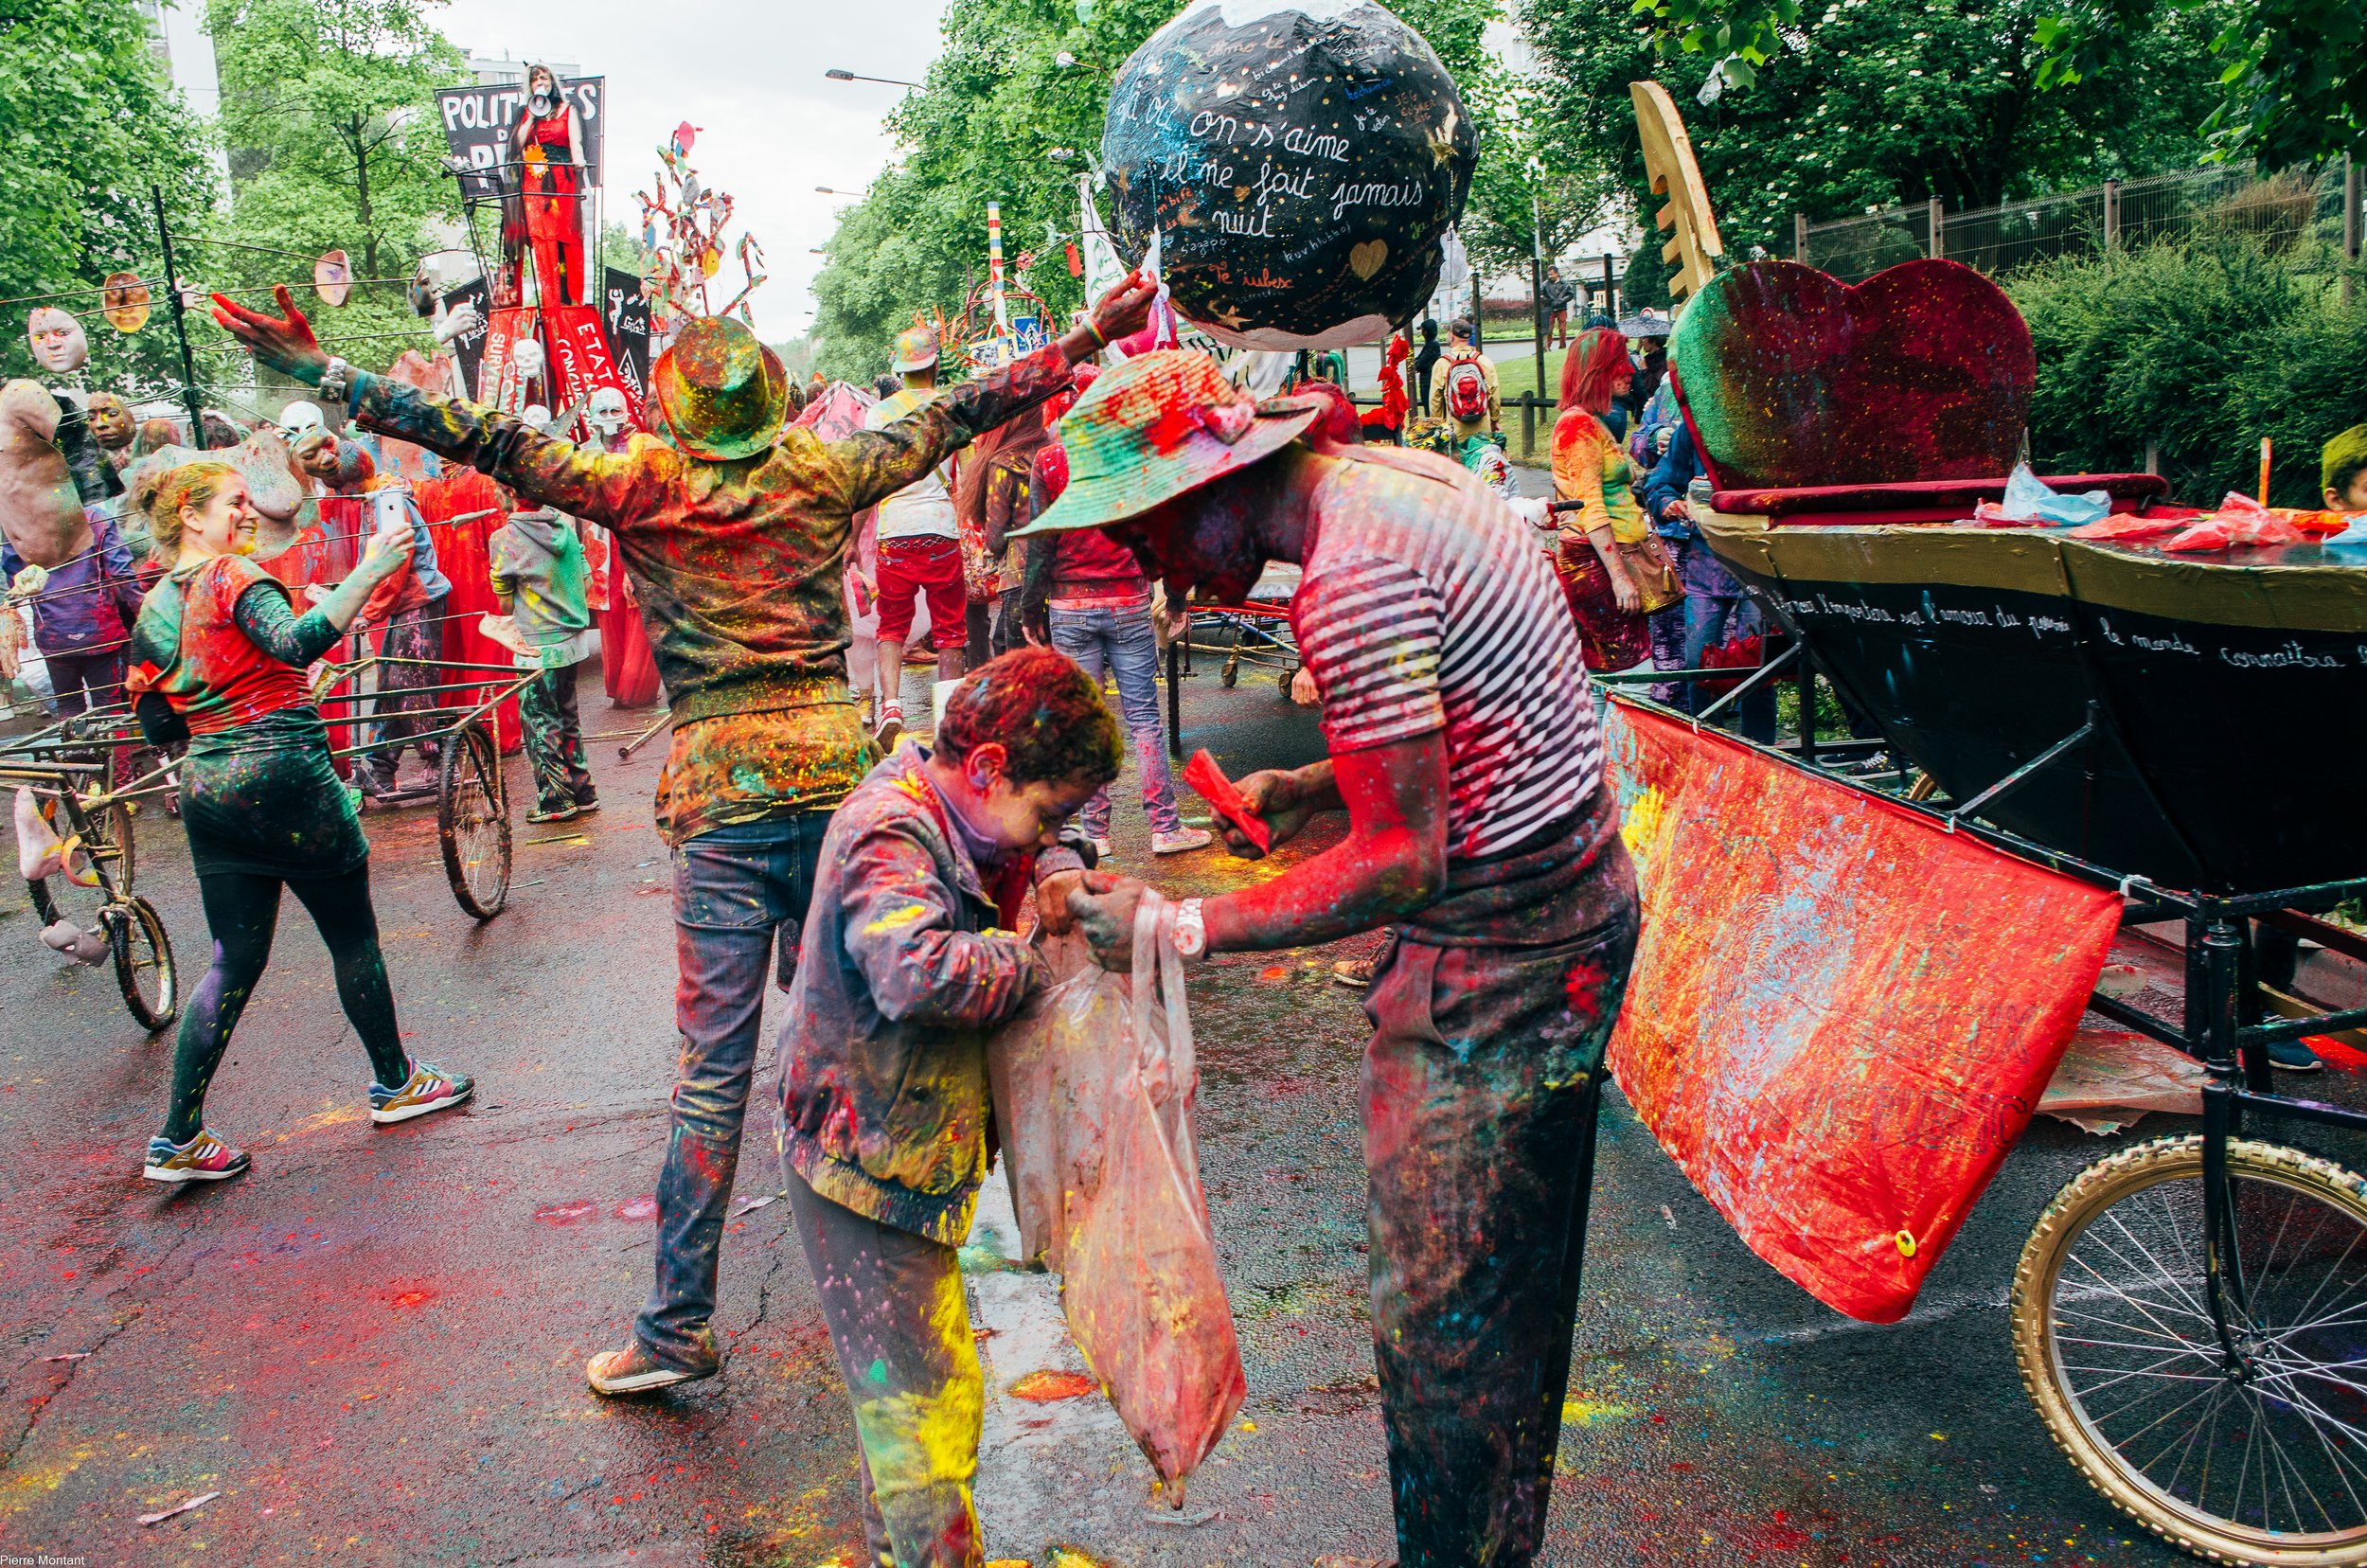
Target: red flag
x=1841 y=1016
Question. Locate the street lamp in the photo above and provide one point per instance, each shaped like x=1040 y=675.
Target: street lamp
x=837 y=75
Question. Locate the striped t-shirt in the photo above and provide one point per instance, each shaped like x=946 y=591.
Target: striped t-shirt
x=1427 y=605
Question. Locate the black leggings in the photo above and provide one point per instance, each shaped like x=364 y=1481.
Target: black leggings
x=243 y=909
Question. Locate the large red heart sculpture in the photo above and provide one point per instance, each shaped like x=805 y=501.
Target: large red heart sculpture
x=1794 y=378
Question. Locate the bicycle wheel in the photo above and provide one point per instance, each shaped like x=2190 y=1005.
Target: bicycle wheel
x=143 y=955
x=2259 y=1458
x=473 y=820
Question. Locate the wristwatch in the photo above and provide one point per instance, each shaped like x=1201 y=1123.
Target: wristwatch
x=334 y=385
x=1191 y=931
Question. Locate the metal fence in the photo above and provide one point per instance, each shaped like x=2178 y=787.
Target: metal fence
x=2230 y=198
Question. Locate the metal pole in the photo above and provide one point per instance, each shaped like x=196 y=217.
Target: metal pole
x=1935 y=223
x=2111 y=214
x=1479 y=313
x=1800 y=236
x=1536 y=285
x=2350 y=222
x=189 y=395
x=1611 y=291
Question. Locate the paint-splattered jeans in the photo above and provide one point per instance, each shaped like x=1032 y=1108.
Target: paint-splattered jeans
x=555 y=739
x=1122 y=640
x=735 y=888
x=900 y=1324
x=1481 y=1087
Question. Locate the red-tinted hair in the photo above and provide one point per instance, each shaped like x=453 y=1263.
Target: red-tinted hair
x=1591 y=368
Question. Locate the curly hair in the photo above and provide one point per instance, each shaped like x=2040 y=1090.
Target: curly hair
x=188 y=485
x=1046 y=712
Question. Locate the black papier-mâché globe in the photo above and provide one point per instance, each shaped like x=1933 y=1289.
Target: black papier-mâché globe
x=1299 y=161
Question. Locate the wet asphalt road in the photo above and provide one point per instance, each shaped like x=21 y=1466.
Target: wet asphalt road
x=371 y=1347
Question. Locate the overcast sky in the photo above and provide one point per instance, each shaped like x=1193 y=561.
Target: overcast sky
x=750 y=76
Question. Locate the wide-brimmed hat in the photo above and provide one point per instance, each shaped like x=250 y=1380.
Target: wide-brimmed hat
x=721 y=393
x=915 y=350
x=1156 y=426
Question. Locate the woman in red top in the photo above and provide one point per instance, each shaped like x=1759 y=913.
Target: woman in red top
x=219 y=657
x=549 y=146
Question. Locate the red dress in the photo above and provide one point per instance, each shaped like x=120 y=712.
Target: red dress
x=552 y=187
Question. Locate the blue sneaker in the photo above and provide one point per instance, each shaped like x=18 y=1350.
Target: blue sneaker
x=2294 y=1056
x=429 y=1089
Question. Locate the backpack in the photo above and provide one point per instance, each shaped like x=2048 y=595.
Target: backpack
x=1467 y=390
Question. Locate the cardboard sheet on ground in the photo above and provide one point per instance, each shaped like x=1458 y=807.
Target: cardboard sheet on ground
x=1841 y=1017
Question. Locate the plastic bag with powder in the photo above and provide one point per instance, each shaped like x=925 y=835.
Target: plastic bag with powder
x=1094 y=1083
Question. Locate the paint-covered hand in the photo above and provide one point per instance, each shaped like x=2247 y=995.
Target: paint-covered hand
x=1103 y=904
x=388 y=553
x=1280 y=797
x=1052 y=900
x=284 y=342
x=1118 y=313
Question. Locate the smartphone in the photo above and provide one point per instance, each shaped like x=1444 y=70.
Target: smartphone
x=1202 y=775
x=390 y=511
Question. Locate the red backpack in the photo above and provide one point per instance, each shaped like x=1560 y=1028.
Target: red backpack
x=1467 y=390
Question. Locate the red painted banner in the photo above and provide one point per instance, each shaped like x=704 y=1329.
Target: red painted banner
x=1841 y=1016
x=579 y=349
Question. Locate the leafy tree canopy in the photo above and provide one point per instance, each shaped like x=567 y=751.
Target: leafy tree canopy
x=1865 y=103
x=996 y=107
x=88 y=122
x=2291 y=89
x=329 y=113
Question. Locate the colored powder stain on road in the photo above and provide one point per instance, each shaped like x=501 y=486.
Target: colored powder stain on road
x=568 y=1213
x=642 y=1208
x=1047 y=1385
x=19 y=1492
x=414 y=1298
x=1582 y=1412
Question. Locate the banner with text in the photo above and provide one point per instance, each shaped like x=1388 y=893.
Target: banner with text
x=480 y=122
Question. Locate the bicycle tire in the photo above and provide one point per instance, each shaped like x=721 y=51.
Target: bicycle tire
x=472 y=822
x=2283 y=1393
x=130 y=926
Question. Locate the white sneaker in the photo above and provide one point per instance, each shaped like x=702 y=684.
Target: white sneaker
x=1104 y=850
x=1183 y=839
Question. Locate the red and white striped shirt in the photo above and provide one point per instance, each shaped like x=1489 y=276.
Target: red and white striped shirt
x=1427 y=605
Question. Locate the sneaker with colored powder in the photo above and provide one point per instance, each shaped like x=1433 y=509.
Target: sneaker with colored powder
x=891 y=726
x=633 y=1371
x=562 y=811
x=429 y=1089
x=1181 y=841
x=204 y=1158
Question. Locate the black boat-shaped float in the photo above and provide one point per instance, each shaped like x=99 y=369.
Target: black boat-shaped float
x=1849 y=432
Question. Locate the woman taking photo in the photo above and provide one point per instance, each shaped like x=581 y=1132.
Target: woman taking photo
x=1614 y=568
x=218 y=658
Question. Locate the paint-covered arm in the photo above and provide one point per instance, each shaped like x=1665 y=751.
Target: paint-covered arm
x=613 y=488
x=269 y=624
x=1579 y=474
x=1393 y=862
x=874 y=464
x=901 y=932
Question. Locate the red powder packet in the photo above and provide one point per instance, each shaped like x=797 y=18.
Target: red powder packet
x=1202 y=775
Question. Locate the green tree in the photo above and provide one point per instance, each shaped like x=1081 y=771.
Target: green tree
x=330 y=117
x=2291 y=87
x=88 y=122
x=1001 y=118
x=1867 y=103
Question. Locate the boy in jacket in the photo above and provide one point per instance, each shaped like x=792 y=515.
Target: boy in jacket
x=902 y=972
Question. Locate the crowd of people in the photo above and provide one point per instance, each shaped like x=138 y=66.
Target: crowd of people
x=819 y=831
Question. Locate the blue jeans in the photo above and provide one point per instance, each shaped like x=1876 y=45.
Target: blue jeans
x=1711 y=620
x=735 y=889
x=1123 y=641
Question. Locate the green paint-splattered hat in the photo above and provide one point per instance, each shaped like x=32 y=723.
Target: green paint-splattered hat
x=1156 y=426
x=721 y=393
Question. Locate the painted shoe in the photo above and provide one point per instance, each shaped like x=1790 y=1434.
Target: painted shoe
x=2291 y=1056
x=1182 y=841
x=1355 y=973
x=204 y=1158
x=564 y=811
x=587 y=803
x=891 y=726
x=428 y=1090
x=1104 y=850
x=633 y=1371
